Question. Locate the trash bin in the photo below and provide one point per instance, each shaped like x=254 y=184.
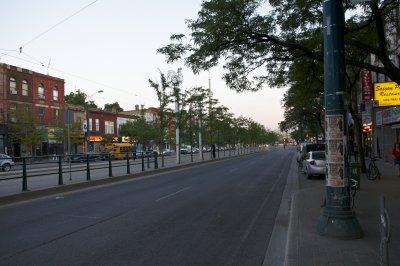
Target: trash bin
x=355 y=172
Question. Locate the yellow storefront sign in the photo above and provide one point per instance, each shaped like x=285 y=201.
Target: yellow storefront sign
x=96 y=138
x=387 y=93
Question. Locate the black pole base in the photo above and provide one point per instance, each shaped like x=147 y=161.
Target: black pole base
x=339 y=224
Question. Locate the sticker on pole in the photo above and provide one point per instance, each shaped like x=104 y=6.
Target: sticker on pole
x=334 y=150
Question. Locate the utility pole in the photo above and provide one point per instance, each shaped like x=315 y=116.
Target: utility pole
x=177 y=134
x=87 y=127
x=201 y=130
x=337 y=218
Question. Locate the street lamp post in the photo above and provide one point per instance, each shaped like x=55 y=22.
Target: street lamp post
x=336 y=219
x=88 y=120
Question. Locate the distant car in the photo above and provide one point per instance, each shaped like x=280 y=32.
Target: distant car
x=6 y=162
x=167 y=152
x=150 y=153
x=195 y=150
x=184 y=151
x=83 y=157
x=314 y=163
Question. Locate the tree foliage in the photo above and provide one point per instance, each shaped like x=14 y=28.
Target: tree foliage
x=26 y=130
x=113 y=107
x=163 y=97
x=79 y=98
x=76 y=98
x=250 y=35
x=139 y=131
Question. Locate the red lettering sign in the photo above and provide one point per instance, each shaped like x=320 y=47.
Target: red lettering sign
x=366 y=85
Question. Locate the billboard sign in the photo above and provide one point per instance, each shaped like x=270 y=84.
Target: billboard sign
x=387 y=93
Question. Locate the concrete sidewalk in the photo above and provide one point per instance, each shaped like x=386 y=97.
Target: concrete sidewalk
x=305 y=247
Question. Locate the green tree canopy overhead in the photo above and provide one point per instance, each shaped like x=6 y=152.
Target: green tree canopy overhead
x=113 y=107
x=267 y=36
x=79 y=98
x=76 y=98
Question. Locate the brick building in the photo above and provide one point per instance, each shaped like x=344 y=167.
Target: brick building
x=23 y=90
x=48 y=106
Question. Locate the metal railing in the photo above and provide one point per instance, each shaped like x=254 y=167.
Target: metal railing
x=28 y=167
x=25 y=168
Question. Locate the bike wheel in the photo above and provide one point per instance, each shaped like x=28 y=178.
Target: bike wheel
x=372 y=172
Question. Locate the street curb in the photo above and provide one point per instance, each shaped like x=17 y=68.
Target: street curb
x=292 y=213
x=277 y=246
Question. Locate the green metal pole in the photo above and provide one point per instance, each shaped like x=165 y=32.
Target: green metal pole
x=24 y=175
x=87 y=128
x=337 y=218
x=128 y=168
x=60 y=173
x=109 y=165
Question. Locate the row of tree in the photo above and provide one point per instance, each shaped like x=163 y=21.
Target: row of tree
x=195 y=113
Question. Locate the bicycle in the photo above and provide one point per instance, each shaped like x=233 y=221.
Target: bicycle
x=372 y=170
x=353 y=187
x=353 y=191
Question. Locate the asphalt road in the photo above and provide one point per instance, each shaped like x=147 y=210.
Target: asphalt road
x=220 y=213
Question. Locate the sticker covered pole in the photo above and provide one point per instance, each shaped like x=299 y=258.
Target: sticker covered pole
x=337 y=219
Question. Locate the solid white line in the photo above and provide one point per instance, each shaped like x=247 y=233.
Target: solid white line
x=82 y=216
x=172 y=194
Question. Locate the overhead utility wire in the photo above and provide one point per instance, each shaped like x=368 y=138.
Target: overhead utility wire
x=38 y=63
x=62 y=21
x=41 y=34
x=80 y=77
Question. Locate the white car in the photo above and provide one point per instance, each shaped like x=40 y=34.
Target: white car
x=6 y=162
x=314 y=163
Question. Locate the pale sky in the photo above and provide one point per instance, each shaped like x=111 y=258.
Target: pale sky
x=111 y=45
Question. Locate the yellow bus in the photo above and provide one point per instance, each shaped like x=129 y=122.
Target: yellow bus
x=118 y=150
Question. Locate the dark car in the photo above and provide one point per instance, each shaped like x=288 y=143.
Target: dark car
x=150 y=153
x=184 y=151
x=83 y=157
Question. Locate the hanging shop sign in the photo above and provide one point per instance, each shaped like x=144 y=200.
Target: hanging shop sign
x=366 y=85
x=387 y=94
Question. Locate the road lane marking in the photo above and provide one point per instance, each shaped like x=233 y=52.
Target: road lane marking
x=82 y=216
x=173 y=194
x=234 y=169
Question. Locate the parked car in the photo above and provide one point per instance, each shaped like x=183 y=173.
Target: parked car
x=6 y=162
x=150 y=153
x=82 y=157
x=167 y=152
x=184 y=151
x=314 y=163
x=306 y=147
x=195 y=150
